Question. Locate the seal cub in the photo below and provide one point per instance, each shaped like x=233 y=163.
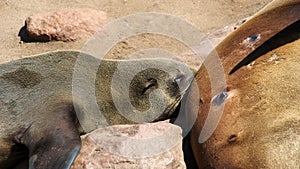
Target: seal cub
x=46 y=99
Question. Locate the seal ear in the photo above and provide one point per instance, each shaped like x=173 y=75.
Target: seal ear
x=55 y=144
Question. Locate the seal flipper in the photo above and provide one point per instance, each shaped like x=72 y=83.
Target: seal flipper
x=56 y=157
x=54 y=145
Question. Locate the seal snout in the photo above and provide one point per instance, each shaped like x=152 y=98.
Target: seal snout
x=183 y=80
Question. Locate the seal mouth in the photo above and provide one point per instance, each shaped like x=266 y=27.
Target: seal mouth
x=170 y=111
x=183 y=83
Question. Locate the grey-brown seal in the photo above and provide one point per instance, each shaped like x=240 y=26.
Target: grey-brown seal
x=37 y=103
x=260 y=124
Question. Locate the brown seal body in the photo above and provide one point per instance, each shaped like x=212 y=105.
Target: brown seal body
x=42 y=99
x=260 y=123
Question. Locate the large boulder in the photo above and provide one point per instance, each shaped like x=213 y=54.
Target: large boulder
x=64 y=25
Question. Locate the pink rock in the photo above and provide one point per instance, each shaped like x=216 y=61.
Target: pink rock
x=150 y=145
x=65 y=25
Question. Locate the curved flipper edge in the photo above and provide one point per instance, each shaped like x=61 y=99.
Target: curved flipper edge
x=55 y=143
x=58 y=159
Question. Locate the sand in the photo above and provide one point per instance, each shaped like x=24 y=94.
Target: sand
x=208 y=16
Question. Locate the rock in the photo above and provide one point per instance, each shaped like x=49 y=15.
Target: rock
x=64 y=25
x=150 y=145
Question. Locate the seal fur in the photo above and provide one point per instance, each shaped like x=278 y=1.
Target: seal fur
x=38 y=105
x=260 y=125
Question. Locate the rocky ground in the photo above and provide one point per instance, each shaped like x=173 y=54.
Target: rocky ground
x=207 y=15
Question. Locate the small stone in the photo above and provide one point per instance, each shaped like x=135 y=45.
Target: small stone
x=64 y=25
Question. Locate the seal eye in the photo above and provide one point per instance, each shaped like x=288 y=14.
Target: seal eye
x=149 y=84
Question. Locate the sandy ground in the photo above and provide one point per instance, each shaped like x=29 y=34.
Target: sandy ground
x=206 y=15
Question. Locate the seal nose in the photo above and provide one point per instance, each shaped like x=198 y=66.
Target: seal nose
x=183 y=81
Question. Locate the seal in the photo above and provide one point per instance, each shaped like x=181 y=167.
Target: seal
x=260 y=124
x=39 y=126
